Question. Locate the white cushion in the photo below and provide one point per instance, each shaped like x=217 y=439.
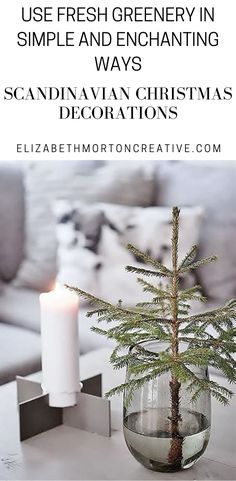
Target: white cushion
x=84 y=180
x=95 y=261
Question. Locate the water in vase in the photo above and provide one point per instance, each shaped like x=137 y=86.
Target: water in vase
x=147 y=435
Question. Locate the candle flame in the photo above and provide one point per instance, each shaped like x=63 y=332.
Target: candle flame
x=56 y=286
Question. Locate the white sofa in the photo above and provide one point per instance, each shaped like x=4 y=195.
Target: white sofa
x=26 y=223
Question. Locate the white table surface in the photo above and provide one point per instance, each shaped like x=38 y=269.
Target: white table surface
x=67 y=453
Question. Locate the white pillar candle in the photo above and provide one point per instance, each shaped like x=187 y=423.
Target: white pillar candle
x=60 y=346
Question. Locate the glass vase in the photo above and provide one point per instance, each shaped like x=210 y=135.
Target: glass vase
x=161 y=433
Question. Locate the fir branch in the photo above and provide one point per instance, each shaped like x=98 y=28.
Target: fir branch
x=215 y=317
x=189 y=258
x=142 y=352
x=204 y=356
x=147 y=287
x=199 y=326
x=89 y=297
x=197 y=385
x=192 y=290
x=192 y=294
x=121 y=361
x=134 y=384
x=227 y=308
x=102 y=332
x=195 y=265
x=100 y=312
x=149 y=260
x=146 y=272
x=211 y=341
x=146 y=326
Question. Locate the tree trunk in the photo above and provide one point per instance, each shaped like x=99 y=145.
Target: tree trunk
x=175 y=453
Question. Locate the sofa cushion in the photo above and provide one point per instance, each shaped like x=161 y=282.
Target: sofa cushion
x=95 y=259
x=19 y=353
x=47 y=181
x=20 y=307
x=11 y=220
x=213 y=187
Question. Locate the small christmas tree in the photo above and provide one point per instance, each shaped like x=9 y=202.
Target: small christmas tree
x=166 y=317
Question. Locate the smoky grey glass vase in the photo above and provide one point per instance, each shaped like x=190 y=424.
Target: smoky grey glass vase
x=147 y=425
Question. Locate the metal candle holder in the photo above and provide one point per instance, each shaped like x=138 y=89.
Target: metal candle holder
x=92 y=412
